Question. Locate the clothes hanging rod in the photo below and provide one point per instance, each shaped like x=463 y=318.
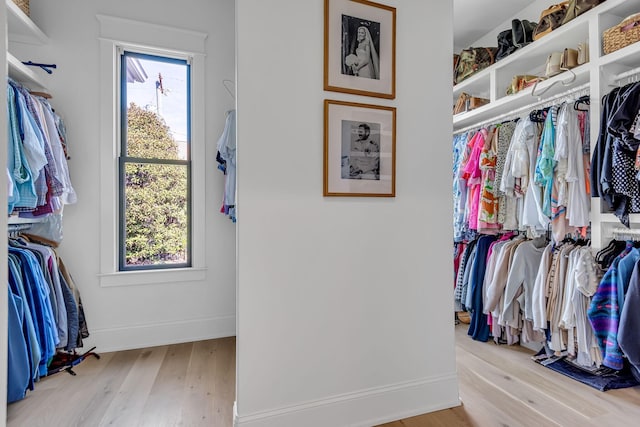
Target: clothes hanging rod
x=625 y=232
x=18 y=227
x=570 y=94
x=627 y=74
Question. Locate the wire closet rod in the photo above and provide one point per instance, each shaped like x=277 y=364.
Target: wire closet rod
x=547 y=102
x=625 y=232
x=626 y=75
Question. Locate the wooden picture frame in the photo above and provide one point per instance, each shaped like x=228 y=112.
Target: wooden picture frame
x=360 y=48
x=359 y=150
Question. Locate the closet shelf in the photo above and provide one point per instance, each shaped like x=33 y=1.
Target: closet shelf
x=506 y=104
x=23 y=74
x=477 y=84
x=21 y=28
x=628 y=56
x=528 y=60
x=491 y=82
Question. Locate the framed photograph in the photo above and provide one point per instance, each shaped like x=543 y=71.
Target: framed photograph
x=360 y=48
x=359 y=150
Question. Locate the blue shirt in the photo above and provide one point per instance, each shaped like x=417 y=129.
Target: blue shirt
x=625 y=268
x=18 y=361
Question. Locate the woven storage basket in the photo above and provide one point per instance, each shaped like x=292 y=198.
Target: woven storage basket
x=625 y=33
x=24 y=5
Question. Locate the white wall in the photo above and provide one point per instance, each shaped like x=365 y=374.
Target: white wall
x=530 y=13
x=138 y=316
x=345 y=309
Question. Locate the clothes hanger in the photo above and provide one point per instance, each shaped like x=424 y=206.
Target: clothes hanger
x=564 y=83
x=539 y=116
x=41 y=94
x=230 y=89
x=586 y=100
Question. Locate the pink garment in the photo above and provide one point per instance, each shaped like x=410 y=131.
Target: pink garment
x=489 y=201
x=473 y=175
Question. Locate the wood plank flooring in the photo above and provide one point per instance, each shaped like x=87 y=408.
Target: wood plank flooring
x=500 y=386
x=193 y=384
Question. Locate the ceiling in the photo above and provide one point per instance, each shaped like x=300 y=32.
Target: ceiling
x=473 y=19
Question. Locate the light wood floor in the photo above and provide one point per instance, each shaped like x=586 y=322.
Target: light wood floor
x=190 y=384
x=500 y=386
x=193 y=385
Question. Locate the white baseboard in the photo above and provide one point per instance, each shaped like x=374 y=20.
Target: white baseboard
x=364 y=408
x=155 y=334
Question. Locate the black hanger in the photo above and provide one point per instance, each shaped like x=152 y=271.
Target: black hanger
x=539 y=116
x=585 y=100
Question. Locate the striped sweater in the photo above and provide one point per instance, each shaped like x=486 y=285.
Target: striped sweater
x=604 y=317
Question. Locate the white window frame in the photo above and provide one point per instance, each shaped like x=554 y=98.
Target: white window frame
x=116 y=34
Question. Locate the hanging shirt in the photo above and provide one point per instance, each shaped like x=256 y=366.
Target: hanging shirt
x=459 y=187
x=578 y=197
x=52 y=124
x=488 y=207
x=510 y=183
x=625 y=268
x=522 y=274
x=600 y=172
x=604 y=316
x=505 y=133
x=18 y=374
x=227 y=148
x=527 y=142
x=629 y=321
x=540 y=291
x=545 y=162
x=24 y=189
x=38 y=292
x=32 y=141
x=478 y=328
x=586 y=285
x=625 y=146
x=473 y=176
x=29 y=327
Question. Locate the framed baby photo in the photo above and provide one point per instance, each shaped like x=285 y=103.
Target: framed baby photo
x=360 y=48
x=359 y=150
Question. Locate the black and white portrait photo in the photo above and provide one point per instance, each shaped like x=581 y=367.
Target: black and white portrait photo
x=360 y=47
x=360 y=150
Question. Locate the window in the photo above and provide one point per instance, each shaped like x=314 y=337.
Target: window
x=124 y=165
x=154 y=162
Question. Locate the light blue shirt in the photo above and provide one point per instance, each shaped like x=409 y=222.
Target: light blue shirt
x=227 y=149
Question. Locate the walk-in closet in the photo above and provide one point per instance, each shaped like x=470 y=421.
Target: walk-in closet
x=545 y=185
x=208 y=234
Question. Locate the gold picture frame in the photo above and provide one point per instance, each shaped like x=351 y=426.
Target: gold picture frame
x=359 y=150
x=360 y=48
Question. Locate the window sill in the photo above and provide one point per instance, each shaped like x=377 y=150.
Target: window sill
x=155 y=277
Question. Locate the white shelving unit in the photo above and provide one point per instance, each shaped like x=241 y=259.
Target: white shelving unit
x=21 y=29
x=599 y=76
x=23 y=74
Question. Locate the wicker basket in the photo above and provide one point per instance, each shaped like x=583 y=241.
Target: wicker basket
x=625 y=33
x=24 y=5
